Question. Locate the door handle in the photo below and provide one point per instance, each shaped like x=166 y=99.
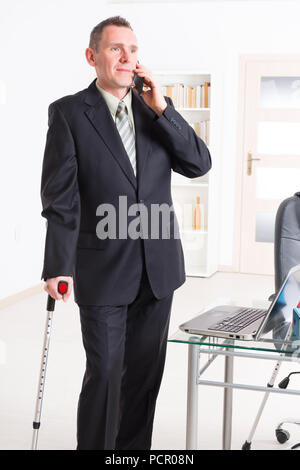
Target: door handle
x=249 y=163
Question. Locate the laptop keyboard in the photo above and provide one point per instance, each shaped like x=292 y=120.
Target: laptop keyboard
x=239 y=321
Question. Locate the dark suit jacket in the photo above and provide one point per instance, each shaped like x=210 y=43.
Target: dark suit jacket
x=85 y=164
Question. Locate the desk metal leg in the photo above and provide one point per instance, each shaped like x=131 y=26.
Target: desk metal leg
x=227 y=407
x=192 y=398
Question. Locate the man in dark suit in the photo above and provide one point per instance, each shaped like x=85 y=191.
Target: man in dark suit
x=107 y=146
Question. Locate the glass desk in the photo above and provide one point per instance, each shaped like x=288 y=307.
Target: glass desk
x=278 y=350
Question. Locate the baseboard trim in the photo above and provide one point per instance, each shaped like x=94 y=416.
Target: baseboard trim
x=12 y=299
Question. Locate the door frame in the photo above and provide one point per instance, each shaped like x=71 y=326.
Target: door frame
x=244 y=59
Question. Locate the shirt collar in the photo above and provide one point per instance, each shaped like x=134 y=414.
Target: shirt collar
x=112 y=101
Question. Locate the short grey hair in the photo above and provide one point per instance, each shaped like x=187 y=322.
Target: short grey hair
x=96 y=33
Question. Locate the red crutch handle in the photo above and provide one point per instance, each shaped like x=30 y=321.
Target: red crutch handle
x=62 y=288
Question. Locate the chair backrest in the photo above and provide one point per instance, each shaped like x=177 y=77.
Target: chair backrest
x=287 y=238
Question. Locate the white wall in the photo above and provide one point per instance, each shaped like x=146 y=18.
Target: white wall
x=42 y=47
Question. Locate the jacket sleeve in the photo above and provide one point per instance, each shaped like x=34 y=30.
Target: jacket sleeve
x=60 y=197
x=189 y=154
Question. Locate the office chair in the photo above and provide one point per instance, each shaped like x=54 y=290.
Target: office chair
x=286 y=256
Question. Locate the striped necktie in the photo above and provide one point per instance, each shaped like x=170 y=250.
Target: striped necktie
x=126 y=133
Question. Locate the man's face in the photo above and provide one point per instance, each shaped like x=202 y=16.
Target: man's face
x=116 y=57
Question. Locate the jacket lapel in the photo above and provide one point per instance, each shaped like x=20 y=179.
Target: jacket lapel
x=101 y=119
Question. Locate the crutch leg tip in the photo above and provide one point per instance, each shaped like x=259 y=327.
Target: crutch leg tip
x=246 y=446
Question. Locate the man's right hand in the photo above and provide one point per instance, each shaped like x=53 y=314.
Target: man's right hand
x=51 y=287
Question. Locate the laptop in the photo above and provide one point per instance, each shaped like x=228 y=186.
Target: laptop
x=228 y=321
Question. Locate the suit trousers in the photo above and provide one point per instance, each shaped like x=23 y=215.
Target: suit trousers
x=125 y=355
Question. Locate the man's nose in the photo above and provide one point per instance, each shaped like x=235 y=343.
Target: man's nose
x=125 y=56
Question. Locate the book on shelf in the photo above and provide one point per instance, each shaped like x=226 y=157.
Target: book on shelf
x=206 y=96
x=202 y=130
x=186 y=96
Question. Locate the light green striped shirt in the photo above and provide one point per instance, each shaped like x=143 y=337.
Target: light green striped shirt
x=113 y=102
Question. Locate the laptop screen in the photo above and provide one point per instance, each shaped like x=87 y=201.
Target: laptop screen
x=281 y=313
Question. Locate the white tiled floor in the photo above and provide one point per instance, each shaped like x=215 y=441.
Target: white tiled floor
x=21 y=336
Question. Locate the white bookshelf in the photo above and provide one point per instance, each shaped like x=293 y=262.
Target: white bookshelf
x=200 y=246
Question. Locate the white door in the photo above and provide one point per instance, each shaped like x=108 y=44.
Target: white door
x=271 y=156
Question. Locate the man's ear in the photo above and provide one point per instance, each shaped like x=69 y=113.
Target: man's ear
x=90 y=56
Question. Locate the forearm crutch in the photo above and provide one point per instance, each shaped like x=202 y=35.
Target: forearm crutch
x=270 y=384
x=62 y=288
x=247 y=443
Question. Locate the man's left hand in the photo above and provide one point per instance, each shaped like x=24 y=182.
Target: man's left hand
x=153 y=97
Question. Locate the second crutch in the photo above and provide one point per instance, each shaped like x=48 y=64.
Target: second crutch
x=62 y=289
x=247 y=443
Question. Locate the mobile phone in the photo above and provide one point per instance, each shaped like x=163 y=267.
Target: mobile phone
x=138 y=82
